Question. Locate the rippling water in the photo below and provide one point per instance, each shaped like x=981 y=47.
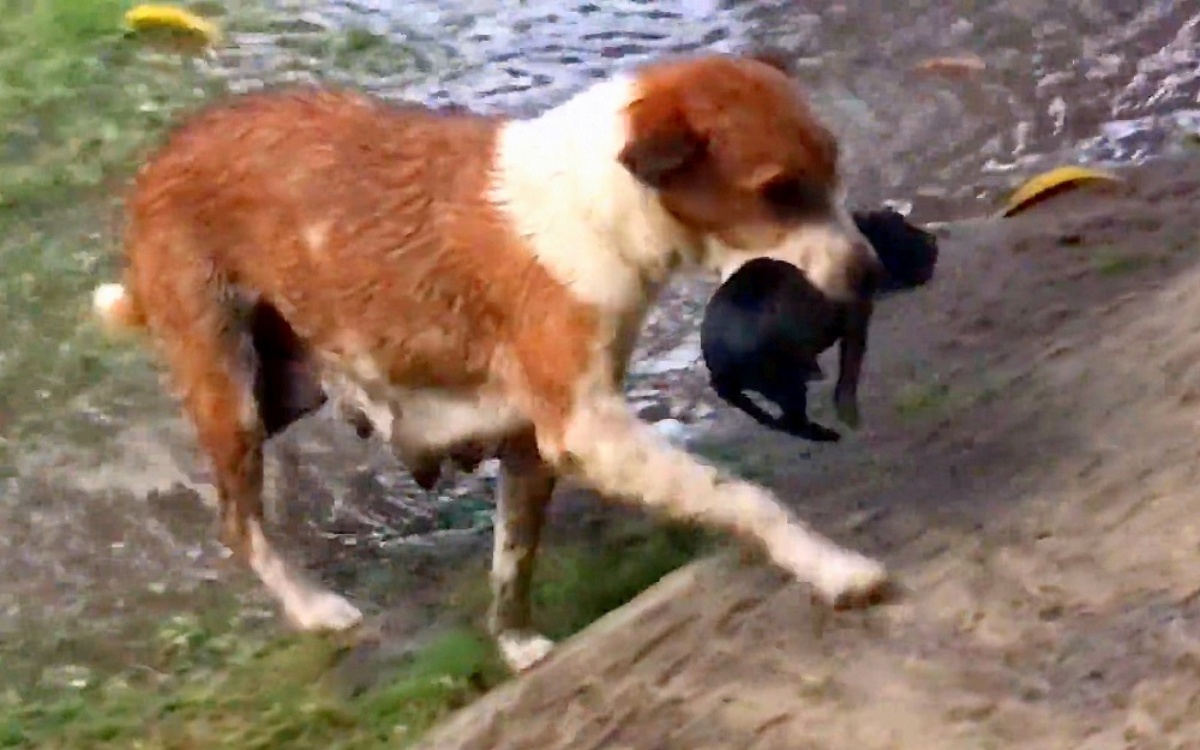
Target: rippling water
x=1080 y=80
x=1077 y=80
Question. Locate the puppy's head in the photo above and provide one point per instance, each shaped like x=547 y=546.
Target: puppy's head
x=909 y=254
x=736 y=156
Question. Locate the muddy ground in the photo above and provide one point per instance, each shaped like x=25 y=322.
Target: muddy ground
x=1029 y=472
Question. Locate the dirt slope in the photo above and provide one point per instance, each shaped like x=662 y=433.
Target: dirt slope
x=1030 y=472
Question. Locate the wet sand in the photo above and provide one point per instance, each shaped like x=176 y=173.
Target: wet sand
x=1028 y=469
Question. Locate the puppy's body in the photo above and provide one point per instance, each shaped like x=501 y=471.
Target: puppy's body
x=476 y=281
x=762 y=331
x=766 y=325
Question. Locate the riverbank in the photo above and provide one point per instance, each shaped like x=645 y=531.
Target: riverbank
x=1027 y=470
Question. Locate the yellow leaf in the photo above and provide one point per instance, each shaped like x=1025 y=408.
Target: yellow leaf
x=143 y=18
x=1051 y=183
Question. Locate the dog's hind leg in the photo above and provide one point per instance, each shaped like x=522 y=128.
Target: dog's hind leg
x=211 y=355
x=526 y=485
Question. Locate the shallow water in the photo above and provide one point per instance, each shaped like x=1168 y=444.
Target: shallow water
x=1091 y=80
x=1082 y=80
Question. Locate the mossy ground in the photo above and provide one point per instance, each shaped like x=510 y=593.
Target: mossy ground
x=224 y=679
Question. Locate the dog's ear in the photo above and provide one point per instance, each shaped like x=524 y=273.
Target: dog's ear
x=661 y=143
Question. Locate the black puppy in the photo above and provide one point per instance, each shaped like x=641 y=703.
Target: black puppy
x=762 y=332
x=765 y=326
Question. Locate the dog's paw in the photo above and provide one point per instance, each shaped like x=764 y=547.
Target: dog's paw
x=323 y=611
x=522 y=651
x=849 y=580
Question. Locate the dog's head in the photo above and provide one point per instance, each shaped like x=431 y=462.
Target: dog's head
x=736 y=156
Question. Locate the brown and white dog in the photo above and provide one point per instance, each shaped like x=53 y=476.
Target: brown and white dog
x=474 y=280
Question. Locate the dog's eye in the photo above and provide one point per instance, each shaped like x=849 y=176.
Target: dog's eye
x=790 y=197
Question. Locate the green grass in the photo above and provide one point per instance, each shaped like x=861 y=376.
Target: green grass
x=577 y=584
x=1112 y=262
x=582 y=584
x=225 y=683
x=919 y=399
x=219 y=690
x=757 y=465
x=358 y=51
x=79 y=102
x=78 y=98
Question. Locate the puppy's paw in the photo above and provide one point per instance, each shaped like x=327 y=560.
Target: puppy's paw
x=846 y=408
x=822 y=434
x=813 y=432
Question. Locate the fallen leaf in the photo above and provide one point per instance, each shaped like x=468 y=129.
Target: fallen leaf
x=171 y=18
x=1053 y=182
x=953 y=65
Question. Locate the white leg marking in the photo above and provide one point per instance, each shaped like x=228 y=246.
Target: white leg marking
x=522 y=651
x=307 y=604
x=622 y=457
x=526 y=485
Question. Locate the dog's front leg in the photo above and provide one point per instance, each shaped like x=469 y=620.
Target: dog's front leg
x=621 y=457
x=526 y=484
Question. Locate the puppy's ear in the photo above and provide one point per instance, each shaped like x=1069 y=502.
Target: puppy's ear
x=662 y=142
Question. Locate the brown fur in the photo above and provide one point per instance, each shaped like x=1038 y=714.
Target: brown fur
x=414 y=269
x=711 y=157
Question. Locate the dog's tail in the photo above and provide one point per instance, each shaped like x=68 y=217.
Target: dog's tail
x=117 y=309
